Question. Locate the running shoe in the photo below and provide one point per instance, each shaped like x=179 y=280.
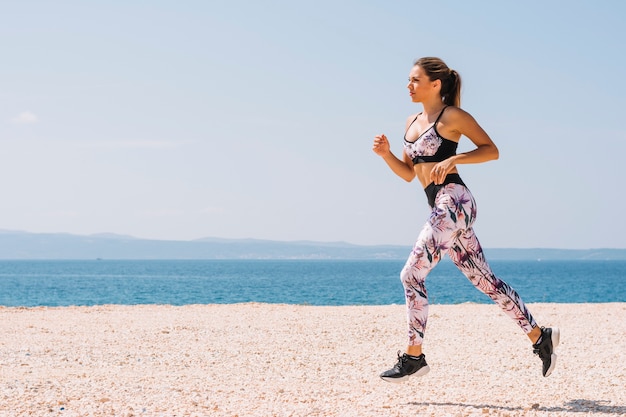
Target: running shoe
x=407 y=365
x=548 y=341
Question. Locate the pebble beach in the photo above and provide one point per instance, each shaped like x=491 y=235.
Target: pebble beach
x=297 y=360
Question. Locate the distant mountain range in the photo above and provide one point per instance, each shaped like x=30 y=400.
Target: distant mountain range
x=25 y=245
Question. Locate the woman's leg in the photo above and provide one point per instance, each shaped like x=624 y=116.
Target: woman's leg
x=413 y=276
x=434 y=240
x=468 y=256
x=453 y=211
x=449 y=229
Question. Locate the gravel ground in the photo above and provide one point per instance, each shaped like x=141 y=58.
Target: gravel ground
x=291 y=360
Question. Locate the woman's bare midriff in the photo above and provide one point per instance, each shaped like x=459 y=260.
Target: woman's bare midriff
x=422 y=172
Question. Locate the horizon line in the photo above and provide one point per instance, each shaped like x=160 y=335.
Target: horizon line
x=112 y=235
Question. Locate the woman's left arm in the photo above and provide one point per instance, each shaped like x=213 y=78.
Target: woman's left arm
x=462 y=123
x=466 y=125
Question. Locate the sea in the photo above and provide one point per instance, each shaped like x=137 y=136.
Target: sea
x=31 y=283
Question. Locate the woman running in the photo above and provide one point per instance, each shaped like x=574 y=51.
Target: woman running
x=430 y=144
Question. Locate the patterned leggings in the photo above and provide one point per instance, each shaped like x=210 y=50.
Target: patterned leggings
x=449 y=229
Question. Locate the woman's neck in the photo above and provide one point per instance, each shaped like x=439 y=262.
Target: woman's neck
x=433 y=106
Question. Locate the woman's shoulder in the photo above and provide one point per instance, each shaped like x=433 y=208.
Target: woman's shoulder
x=456 y=121
x=453 y=113
x=412 y=118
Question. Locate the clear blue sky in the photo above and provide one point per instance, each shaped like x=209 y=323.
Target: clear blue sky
x=255 y=119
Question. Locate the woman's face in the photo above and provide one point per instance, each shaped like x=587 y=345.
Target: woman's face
x=420 y=87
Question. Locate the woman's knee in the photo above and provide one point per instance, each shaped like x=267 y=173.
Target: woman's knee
x=406 y=276
x=414 y=273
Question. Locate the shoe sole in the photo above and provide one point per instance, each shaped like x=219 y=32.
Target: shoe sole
x=556 y=339
x=421 y=372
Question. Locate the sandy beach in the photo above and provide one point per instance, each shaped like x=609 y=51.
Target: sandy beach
x=291 y=360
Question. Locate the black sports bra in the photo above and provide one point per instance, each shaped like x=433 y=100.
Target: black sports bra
x=430 y=146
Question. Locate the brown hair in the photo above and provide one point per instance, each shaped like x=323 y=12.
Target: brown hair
x=436 y=69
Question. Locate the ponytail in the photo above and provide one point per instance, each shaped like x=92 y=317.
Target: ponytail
x=452 y=93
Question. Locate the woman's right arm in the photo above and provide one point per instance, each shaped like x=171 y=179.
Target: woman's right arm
x=402 y=168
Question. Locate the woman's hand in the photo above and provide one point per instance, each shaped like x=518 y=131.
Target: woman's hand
x=440 y=170
x=401 y=167
x=381 y=145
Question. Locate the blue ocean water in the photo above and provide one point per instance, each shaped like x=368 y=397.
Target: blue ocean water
x=314 y=282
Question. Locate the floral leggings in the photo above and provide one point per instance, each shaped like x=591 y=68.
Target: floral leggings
x=449 y=230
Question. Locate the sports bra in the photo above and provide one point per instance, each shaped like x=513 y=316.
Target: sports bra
x=430 y=146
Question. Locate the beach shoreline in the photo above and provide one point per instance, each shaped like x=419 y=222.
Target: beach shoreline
x=292 y=360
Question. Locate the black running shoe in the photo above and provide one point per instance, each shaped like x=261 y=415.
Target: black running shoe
x=407 y=365
x=549 y=340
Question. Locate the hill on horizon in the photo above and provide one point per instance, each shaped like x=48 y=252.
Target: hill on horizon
x=25 y=245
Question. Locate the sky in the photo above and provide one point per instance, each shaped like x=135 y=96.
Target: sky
x=180 y=120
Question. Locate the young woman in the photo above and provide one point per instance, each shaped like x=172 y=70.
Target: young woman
x=430 y=143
